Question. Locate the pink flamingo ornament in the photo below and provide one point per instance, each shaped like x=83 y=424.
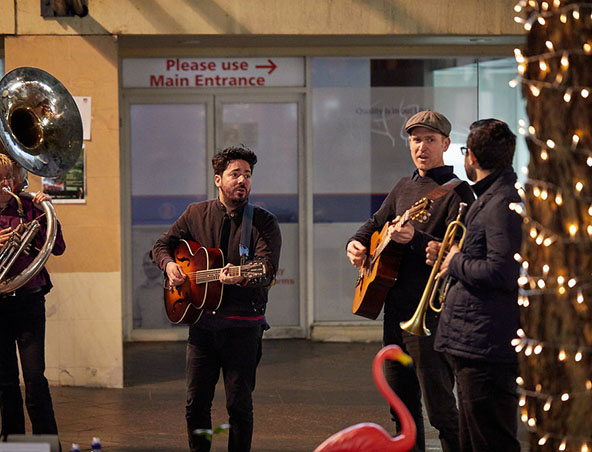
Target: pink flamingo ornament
x=369 y=437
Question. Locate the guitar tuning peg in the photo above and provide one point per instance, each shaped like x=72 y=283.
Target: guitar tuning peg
x=425 y=216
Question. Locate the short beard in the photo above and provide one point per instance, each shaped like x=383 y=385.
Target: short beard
x=233 y=201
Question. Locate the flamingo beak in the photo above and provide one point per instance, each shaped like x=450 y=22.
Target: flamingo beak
x=404 y=359
x=395 y=354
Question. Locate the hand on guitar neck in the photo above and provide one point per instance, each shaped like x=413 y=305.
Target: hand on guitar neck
x=176 y=275
x=400 y=230
x=227 y=276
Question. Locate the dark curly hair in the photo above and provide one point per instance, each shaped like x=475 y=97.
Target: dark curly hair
x=493 y=143
x=221 y=160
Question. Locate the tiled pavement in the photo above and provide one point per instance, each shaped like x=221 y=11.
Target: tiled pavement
x=305 y=392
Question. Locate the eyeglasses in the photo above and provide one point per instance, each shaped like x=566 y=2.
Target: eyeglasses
x=463 y=150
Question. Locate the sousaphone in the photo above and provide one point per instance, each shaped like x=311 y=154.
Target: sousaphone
x=41 y=129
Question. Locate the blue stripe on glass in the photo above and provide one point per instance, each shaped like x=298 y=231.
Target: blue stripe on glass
x=346 y=208
x=154 y=210
x=328 y=208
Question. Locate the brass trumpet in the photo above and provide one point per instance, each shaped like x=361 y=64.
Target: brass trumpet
x=436 y=286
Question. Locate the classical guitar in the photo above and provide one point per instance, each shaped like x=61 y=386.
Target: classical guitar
x=379 y=271
x=202 y=290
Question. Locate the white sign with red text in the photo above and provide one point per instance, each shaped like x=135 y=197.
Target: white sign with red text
x=212 y=72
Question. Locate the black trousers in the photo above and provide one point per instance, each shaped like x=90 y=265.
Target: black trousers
x=431 y=375
x=22 y=324
x=488 y=405
x=237 y=352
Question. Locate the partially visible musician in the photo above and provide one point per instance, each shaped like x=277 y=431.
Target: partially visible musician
x=22 y=319
x=480 y=315
x=20 y=177
x=230 y=338
x=432 y=375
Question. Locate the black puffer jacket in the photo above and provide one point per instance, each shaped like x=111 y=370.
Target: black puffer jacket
x=481 y=315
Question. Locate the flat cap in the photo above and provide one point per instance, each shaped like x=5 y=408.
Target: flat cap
x=431 y=120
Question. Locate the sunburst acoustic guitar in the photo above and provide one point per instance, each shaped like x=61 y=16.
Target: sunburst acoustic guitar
x=202 y=290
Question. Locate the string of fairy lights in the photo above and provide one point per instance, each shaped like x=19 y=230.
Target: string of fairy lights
x=548 y=145
x=552 y=69
x=540 y=13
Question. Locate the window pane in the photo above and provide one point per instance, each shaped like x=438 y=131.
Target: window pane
x=360 y=147
x=168 y=149
x=498 y=100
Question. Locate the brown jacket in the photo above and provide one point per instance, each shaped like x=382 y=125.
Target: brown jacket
x=202 y=222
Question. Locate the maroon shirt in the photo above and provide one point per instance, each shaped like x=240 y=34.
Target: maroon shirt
x=9 y=217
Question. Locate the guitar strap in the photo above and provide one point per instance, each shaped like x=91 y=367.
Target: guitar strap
x=247 y=227
x=441 y=190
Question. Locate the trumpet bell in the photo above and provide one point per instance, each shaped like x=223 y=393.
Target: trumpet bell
x=40 y=125
x=436 y=285
x=416 y=326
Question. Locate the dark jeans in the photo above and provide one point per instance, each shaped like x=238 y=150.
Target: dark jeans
x=488 y=405
x=431 y=375
x=237 y=352
x=22 y=323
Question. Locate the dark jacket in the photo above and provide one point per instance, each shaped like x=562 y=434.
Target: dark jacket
x=413 y=270
x=481 y=315
x=202 y=222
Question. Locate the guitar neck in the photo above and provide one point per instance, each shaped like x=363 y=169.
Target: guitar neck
x=213 y=274
x=401 y=222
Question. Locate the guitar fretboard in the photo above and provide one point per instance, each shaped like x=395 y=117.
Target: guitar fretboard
x=404 y=219
x=384 y=243
x=204 y=276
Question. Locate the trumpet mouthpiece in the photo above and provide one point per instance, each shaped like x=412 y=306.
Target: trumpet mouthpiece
x=7 y=189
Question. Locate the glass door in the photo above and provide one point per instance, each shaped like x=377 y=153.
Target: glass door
x=168 y=149
x=271 y=127
x=172 y=139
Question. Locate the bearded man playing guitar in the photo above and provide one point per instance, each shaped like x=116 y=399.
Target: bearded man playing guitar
x=431 y=374
x=228 y=337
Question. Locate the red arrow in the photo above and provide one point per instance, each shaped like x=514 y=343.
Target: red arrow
x=272 y=66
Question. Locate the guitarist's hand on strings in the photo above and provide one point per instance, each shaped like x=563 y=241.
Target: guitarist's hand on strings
x=226 y=276
x=400 y=234
x=175 y=274
x=356 y=253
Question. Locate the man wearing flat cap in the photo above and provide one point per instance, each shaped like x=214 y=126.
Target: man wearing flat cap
x=431 y=374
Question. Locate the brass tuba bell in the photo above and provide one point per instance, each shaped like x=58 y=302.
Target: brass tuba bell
x=41 y=129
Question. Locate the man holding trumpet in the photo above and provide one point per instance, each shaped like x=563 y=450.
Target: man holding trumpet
x=480 y=315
